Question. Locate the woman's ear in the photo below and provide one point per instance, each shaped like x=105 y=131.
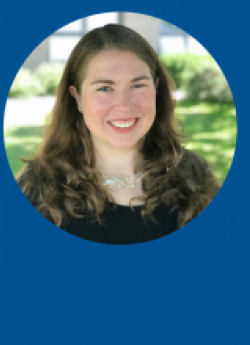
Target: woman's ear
x=74 y=93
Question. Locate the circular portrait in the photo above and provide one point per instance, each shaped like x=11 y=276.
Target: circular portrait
x=120 y=128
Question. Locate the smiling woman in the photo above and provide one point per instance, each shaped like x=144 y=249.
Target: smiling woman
x=117 y=96
x=112 y=168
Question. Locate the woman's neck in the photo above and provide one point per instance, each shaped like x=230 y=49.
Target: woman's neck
x=116 y=162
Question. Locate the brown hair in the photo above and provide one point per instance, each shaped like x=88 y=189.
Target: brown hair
x=61 y=180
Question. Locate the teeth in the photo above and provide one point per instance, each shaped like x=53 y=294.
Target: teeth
x=122 y=124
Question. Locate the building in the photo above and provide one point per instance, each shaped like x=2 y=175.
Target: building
x=164 y=37
x=58 y=46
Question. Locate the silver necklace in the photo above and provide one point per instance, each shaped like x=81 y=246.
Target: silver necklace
x=116 y=183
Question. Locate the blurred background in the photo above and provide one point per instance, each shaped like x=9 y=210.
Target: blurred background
x=205 y=102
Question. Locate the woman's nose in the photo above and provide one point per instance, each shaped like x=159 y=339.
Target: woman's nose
x=123 y=100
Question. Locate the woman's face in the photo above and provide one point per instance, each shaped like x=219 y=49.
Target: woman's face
x=117 y=99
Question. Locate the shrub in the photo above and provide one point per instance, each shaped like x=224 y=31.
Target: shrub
x=182 y=66
x=49 y=75
x=209 y=85
x=25 y=85
x=199 y=76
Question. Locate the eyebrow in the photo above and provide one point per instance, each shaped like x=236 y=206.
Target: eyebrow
x=111 y=82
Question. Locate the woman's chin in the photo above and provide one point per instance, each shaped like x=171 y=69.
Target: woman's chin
x=124 y=145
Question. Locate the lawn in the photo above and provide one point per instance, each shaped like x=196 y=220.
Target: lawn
x=212 y=129
x=21 y=142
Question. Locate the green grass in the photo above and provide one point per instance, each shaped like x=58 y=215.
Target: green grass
x=21 y=142
x=212 y=128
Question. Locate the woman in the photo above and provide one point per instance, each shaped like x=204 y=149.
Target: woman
x=111 y=168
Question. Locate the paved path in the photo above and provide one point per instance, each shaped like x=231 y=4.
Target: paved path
x=27 y=112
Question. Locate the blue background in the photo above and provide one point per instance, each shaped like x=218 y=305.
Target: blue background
x=191 y=287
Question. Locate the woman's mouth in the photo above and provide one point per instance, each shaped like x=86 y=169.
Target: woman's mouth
x=123 y=126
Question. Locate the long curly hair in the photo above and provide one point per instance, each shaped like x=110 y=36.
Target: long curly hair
x=62 y=182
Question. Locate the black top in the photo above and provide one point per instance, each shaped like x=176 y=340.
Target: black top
x=124 y=225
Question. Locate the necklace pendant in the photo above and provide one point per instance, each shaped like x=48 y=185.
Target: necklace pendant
x=114 y=183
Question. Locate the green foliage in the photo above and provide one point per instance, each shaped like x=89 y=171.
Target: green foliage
x=49 y=75
x=43 y=81
x=199 y=76
x=182 y=66
x=25 y=85
x=212 y=128
x=209 y=85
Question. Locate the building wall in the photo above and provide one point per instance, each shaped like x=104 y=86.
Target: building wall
x=146 y=26
x=164 y=37
x=39 y=55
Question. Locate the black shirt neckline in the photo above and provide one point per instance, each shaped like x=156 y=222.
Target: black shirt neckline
x=125 y=206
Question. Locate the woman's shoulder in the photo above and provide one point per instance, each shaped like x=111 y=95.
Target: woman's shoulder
x=29 y=173
x=190 y=157
x=194 y=183
x=32 y=180
x=196 y=167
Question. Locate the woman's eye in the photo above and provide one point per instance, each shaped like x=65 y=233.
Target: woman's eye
x=137 y=86
x=104 y=88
